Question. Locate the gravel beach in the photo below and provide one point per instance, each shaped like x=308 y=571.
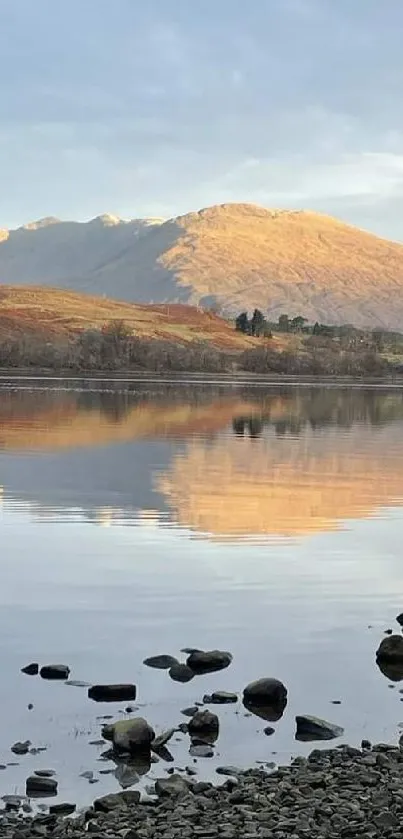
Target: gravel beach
x=342 y=792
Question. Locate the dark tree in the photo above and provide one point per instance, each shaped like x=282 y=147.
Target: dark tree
x=258 y=323
x=242 y=323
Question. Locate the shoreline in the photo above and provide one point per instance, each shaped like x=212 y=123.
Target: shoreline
x=338 y=792
x=26 y=374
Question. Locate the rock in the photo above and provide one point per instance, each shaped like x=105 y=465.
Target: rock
x=400 y=619
x=269 y=730
x=208 y=662
x=204 y=725
x=228 y=770
x=45 y=773
x=162 y=739
x=161 y=662
x=220 y=697
x=31 y=669
x=88 y=774
x=190 y=712
x=266 y=698
x=181 y=673
x=30 y=706
x=114 y=801
x=265 y=692
x=133 y=735
x=40 y=787
x=62 y=809
x=21 y=748
x=55 y=671
x=173 y=786
x=366 y=744
x=314 y=728
x=112 y=693
x=201 y=750
x=77 y=683
x=190 y=650
x=391 y=649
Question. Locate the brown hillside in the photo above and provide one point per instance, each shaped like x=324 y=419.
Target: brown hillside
x=234 y=255
x=53 y=312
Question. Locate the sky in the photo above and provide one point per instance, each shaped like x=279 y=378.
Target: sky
x=160 y=107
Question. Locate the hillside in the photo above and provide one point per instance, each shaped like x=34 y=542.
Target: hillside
x=54 y=313
x=234 y=256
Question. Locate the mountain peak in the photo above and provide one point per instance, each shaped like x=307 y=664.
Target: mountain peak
x=47 y=221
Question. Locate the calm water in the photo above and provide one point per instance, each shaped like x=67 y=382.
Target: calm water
x=264 y=521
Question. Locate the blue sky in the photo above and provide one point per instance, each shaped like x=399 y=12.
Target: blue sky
x=164 y=106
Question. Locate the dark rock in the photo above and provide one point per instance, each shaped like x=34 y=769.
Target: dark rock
x=190 y=712
x=130 y=735
x=21 y=748
x=208 y=661
x=190 y=650
x=55 y=671
x=388 y=631
x=161 y=662
x=173 y=786
x=269 y=730
x=204 y=725
x=30 y=706
x=220 y=697
x=62 y=809
x=314 y=728
x=31 y=669
x=391 y=649
x=265 y=692
x=45 y=773
x=266 y=698
x=77 y=683
x=366 y=744
x=228 y=770
x=112 y=693
x=181 y=673
x=400 y=619
x=40 y=787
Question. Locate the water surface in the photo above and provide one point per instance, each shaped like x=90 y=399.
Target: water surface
x=265 y=521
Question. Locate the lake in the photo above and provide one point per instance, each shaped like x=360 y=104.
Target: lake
x=139 y=518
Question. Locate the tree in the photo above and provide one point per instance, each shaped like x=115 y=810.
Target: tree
x=242 y=323
x=258 y=323
x=298 y=323
x=283 y=323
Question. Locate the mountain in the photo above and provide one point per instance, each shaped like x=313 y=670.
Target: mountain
x=231 y=256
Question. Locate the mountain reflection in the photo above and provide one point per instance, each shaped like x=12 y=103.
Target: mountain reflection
x=239 y=463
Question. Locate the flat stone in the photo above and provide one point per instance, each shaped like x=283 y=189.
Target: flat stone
x=208 y=661
x=220 y=697
x=21 y=748
x=161 y=662
x=112 y=693
x=314 y=728
x=201 y=750
x=64 y=809
x=55 y=671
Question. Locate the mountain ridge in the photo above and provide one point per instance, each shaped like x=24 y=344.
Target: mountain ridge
x=229 y=257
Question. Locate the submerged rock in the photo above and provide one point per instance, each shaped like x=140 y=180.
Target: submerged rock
x=314 y=728
x=190 y=712
x=55 y=671
x=208 y=661
x=181 y=673
x=161 y=662
x=201 y=750
x=130 y=735
x=112 y=693
x=162 y=739
x=31 y=669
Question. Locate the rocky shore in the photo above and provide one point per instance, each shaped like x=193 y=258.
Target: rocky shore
x=343 y=792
